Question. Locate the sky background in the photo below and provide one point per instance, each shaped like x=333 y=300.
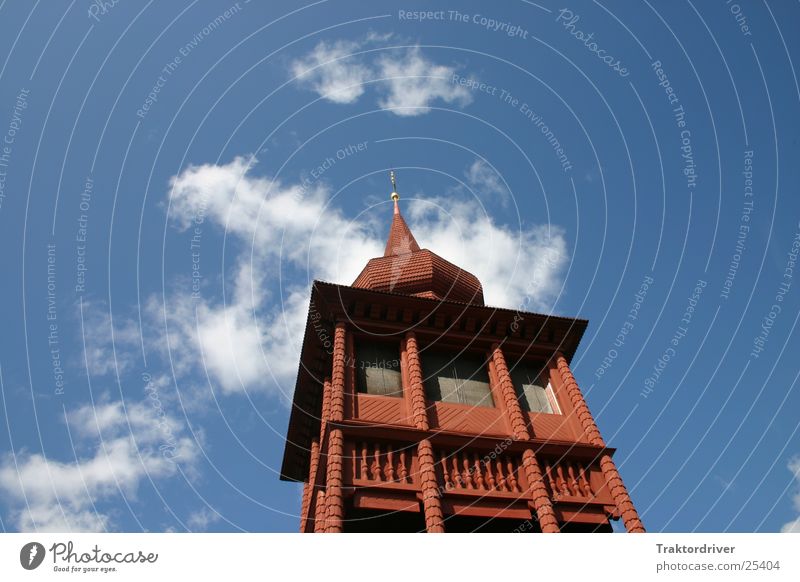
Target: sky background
x=173 y=176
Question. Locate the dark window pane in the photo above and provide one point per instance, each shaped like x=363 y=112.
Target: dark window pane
x=530 y=384
x=378 y=369
x=453 y=377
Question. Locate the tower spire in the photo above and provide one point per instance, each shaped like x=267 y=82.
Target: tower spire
x=400 y=241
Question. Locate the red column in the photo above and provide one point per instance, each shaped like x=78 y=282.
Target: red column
x=541 y=499
x=533 y=472
x=619 y=492
x=319 y=513
x=431 y=500
x=431 y=503
x=310 y=486
x=513 y=409
x=418 y=408
x=334 y=502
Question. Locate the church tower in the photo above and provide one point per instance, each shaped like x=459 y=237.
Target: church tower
x=419 y=408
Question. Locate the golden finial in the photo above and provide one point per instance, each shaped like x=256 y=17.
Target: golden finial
x=395 y=196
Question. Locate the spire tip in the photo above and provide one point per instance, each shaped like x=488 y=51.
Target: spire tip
x=394 y=195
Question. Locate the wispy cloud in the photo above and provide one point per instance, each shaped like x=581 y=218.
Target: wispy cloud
x=484 y=180
x=408 y=82
x=411 y=83
x=201 y=519
x=126 y=444
x=331 y=71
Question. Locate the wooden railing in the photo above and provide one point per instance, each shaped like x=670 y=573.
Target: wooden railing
x=382 y=463
x=568 y=480
x=484 y=474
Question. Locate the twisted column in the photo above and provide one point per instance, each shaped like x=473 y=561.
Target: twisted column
x=533 y=473
x=616 y=487
x=418 y=408
x=310 y=486
x=431 y=501
x=319 y=513
x=538 y=492
x=513 y=409
x=578 y=403
x=334 y=502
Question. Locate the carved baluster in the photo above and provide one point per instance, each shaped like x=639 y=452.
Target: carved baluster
x=548 y=473
x=490 y=482
x=448 y=483
x=457 y=481
x=573 y=480
x=364 y=466
x=478 y=472
x=501 y=479
x=466 y=473
x=389 y=470
x=586 y=487
x=376 y=464
x=512 y=478
x=562 y=484
x=402 y=471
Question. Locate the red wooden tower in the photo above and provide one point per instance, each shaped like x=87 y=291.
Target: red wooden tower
x=418 y=408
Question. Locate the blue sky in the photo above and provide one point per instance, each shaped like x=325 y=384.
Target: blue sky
x=174 y=175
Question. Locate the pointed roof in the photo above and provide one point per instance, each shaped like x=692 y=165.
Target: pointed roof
x=400 y=241
x=407 y=269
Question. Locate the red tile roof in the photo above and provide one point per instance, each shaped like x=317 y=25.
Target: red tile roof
x=405 y=268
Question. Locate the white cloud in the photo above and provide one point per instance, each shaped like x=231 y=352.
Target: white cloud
x=408 y=81
x=254 y=336
x=100 y=354
x=484 y=180
x=252 y=341
x=331 y=72
x=200 y=520
x=129 y=445
x=794 y=525
x=412 y=83
x=518 y=269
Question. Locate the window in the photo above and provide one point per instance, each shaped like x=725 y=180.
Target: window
x=378 y=369
x=532 y=385
x=453 y=377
